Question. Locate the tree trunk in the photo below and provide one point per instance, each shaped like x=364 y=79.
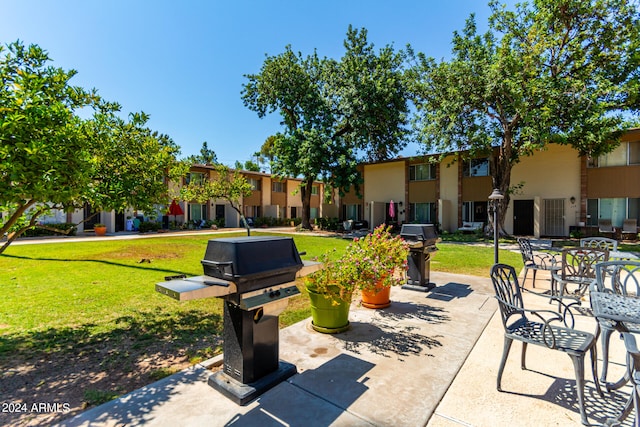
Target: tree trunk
x=305 y=193
x=242 y=218
x=16 y=216
x=10 y=238
x=501 y=180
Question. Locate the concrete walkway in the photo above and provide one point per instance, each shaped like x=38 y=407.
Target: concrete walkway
x=428 y=360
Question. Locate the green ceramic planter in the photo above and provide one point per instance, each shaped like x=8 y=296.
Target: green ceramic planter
x=327 y=317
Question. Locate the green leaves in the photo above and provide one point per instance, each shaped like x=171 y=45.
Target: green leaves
x=225 y=184
x=332 y=111
x=40 y=137
x=50 y=155
x=555 y=72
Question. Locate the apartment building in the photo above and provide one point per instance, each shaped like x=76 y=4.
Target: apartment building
x=554 y=191
x=270 y=197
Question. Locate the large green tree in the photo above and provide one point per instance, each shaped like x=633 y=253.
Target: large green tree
x=554 y=71
x=131 y=164
x=334 y=112
x=226 y=184
x=53 y=157
x=206 y=157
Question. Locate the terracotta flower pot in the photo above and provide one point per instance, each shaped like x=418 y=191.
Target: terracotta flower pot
x=100 y=231
x=378 y=298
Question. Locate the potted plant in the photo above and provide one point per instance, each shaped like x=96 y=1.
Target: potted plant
x=330 y=292
x=100 y=229
x=377 y=262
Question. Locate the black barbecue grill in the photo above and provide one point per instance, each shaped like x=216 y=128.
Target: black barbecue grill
x=255 y=276
x=422 y=240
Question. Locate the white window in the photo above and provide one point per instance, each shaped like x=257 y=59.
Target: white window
x=197 y=212
x=196 y=178
x=315 y=190
x=422 y=213
x=422 y=172
x=474 y=211
x=476 y=167
x=252 y=211
x=618 y=157
x=627 y=153
x=277 y=187
x=615 y=209
x=353 y=212
x=254 y=183
x=313 y=213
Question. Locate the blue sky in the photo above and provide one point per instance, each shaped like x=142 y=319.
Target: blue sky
x=184 y=62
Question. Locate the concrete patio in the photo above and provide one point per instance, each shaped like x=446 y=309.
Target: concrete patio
x=429 y=359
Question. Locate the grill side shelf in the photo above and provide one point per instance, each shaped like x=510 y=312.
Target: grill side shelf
x=309 y=267
x=197 y=287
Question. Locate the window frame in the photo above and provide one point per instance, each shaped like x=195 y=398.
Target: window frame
x=430 y=172
x=478 y=165
x=189 y=179
x=430 y=209
x=256 y=184
x=277 y=187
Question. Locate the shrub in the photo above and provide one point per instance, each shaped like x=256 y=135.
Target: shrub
x=328 y=224
x=149 y=226
x=377 y=259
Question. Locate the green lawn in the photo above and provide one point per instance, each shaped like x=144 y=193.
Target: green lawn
x=61 y=295
x=91 y=307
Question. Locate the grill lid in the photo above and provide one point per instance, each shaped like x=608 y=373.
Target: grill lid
x=425 y=233
x=252 y=262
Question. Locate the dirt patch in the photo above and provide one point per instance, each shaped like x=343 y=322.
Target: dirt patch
x=40 y=390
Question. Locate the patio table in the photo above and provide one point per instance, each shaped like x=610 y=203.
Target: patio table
x=621 y=255
x=621 y=309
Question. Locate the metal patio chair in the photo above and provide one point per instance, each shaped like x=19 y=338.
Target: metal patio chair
x=577 y=272
x=606 y=227
x=622 y=278
x=599 y=243
x=630 y=229
x=534 y=260
x=633 y=367
x=518 y=326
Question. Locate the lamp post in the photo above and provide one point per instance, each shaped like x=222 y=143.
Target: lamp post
x=495 y=197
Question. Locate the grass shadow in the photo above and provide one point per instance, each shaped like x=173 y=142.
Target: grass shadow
x=61 y=361
x=143 y=265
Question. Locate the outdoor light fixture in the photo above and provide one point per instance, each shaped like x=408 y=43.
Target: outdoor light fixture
x=572 y=200
x=495 y=197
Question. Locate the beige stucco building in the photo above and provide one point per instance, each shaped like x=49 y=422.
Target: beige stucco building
x=553 y=191
x=270 y=197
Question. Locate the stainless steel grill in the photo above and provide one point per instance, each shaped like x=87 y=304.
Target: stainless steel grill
x=255 y=276
x=422 y=240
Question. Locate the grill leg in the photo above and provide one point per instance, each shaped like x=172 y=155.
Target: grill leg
x=250 y=343
x=251 y=360
x=419 y=271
